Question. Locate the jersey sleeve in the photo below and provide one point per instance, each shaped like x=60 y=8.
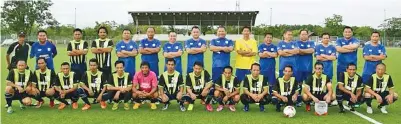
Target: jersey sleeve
x=84 y=79
x=76 y=78
x=237 y=83
x=359 y=83
x=110 y=44
x=180 y=81
x=180 y=47
x=365 y=51
x=187 y=44
x=188 y=81
x=118 y=47
x=53 y=78
x=69 y=47
x=208 y=78
x=276 y=87
x=93 y=45
x=341 y=78
x=279 y=46
x=164 y=49
x=317 y=51
x=54 y=49
x=10 y=76
x=333 y=51
x=230 y=43
x=237 y=45
x=57 y=82
x=86 y=45
x=390 y=84
x=383 y=49
x=10 y=49
x=309 y=81
x=162 y=83
x=265 y=82
x=218 y=82
x=154 y=80
x=33 y=50
x=355 y=41
x=130 y=79
x=338 y=43
x=260 y=49
x=158 y=44
x=136 y=79
x=246 y=83
x=312 y=44
x=212 y=42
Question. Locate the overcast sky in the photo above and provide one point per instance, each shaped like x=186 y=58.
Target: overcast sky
x=354 y=12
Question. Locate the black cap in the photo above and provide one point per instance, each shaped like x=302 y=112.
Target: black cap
x=21 y=34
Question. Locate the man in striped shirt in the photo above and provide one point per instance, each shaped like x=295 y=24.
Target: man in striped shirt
x=102 y=48
x=77 y=50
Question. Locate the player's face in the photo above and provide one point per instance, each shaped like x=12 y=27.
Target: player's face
x=102 y=33
x=42 y=37
x=380 y=69
x=287 y=72
x=347 y=33
x=120 y=68
x=288 y=35
x=77 y=35
x=195 y=33
x=21 y=39
x=41 y=64
x=126 y=35
x=325 y=39
x=268 y=39
x=21 y=65
x=375 y=37
x=255 y=70
x=92 y=66
x=172 y=37
x=197 y=69
x=227 y=73
x=145 y=69
x=221 y=32
x=170 y=66
x=351 y=70
x=303 y=35
x=150 y=32
x=65 y=69
x=246 y=32
x=318 y=69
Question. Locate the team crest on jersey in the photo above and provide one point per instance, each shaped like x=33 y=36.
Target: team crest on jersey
x=39 y=49
x=272 y=49
x=292 y=46
x=264 y=48
x=176 y=47
x=226 y=41
x=302 y=45
x=191 y=43
x=168 y=47
x=218 y=41
x=329 y=51
x=308 y=45
x=370 y=50
x=146 y=44
x=153 y=44
x=199 y=44
x=380 y=51
x=321 y=50
x=283 y=46
x=131 y=46
x=49 y=49
x=122 y=46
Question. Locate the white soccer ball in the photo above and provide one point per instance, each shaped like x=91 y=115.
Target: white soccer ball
x=289 y=111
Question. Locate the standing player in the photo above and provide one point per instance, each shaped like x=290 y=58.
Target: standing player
x=373 y=54
x=227 y=89
x=77 y=50
x=256 y=89
x=246 y=49
x=145 y=86
x=381 y=87
x=347 y=48
x=268 y=54
x=171 y=85
x=119 y=86
x=102 y=48
x=45 y=79
x=18 y=51
x=198 y=85
x=149 y=48
x=286 y=88
x=45 y=49
x=19 y=85
x=127 y=50
x=305 y=58
x=66 y=86
x=221 y=48
x=349 y=88
x=326 y=54
x=173 y=50
x=92 y=85
x=317 y=87
x=195 y=47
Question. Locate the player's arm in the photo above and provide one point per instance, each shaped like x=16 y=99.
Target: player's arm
x=342 y=88
x=283 y=53
x=121 y=54
x=343 y=50
x=352 y=47
x=306 y=51
x=9 y=51
x=331 y=57
x=132 y=53
x=306 y=87
x=216 y=48
x=329 y=88
x=143 y=51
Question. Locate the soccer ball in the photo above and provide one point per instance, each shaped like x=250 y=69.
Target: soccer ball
x=27 y=101
x=289 y=111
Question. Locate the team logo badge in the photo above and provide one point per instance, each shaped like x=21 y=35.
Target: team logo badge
x=176 y=47
x=226 y=41
x=153 y=44
x=131 y=46
x=199 y=44
x=49 y=49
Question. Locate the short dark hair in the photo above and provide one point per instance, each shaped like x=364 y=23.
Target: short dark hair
x=376 y=32
x=145 y=63
x=289 y=66
x=171 y=32
x=304 y=30
x=94 y=60
x=381 y=64
x=77 y=29
x=65 y=63
x=348 y=27
x=170 y=60
x=151 y=28
x=221 y=26
x=41 y=31
x=325 y=34
x=351 y=64
x=126 y=29
x=119 y=62
x=198 y=63
x=319 y=63
x=194 y=27
x=271 y=34
x=229 y=67
x=255 y=64
x=246 y=27
x=102 y=27
x=39 y=58
x=287 y=31
x=21 y=60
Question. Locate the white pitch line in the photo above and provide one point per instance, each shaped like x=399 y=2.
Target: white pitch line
x=363 y=116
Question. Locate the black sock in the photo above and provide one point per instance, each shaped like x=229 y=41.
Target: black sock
x=340 y=104
x=220 y=100
x=85 y=99
x=369 y=102
x=39 y=98
x=153 y=100
x=63 y=101
x=244 y=99
x=9 y=99
x=208 y=99
x=168 y=102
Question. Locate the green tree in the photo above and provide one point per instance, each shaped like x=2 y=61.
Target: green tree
x=334 y=25
x=392 y=27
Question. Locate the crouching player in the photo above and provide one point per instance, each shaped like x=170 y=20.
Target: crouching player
x=381 y=87
x=227 y=89
x=119 y=86
x=256 y=89
x=145 y=86
x=286 y=88
x=45 y=79
x=66 y=86
x=171 y=85
x=349 y=88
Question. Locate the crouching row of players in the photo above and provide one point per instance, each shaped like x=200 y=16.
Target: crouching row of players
x=22 y=85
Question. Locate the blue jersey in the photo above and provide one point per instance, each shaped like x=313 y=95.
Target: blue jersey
x=346 y=58
x=129 y=62
x=305 y=61
x=175 y=47
x=287 y=60
x=221 y=58
x=151 y=58
x=327 y=65
x=267 y=63
x=192 y=58
x=370 y=66
x=47 y=50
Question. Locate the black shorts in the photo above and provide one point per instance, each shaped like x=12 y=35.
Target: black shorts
x=320 y=96
x=19 y=96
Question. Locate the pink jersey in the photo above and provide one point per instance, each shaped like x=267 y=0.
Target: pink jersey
x=145 y=83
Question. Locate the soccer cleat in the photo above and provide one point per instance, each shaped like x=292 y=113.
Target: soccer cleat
x=352 y=109
x=299 y=104
x=307 y=107
x=39 y=104
x=209 y=107
x=61 y=106
x=334 y=103
x=103 y=104
x=182 y=108
x=136 y=106
x=342 y=111
x=219 y=108
x=369 y=110
x=115 y=106
x=126 y=106
x=232 y=108
x=261 y=108
x=165 y=107
x=383 y=109
x=10 y=110
x=86 y=107
x=153 y=106
x=190 y=107
x=74 y=105
x=246 y=108
x=51 y=104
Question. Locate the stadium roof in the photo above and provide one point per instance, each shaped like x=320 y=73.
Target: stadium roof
x=212 y=18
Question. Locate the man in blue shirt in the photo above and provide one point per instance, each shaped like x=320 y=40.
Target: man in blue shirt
x=326 y=54
x=268 y=54
x=373 y=54
x=45 y=49
x=288 y=51
x=347 y=49
x=195 y=47
x=149 y=48
x=221 y=48
x=173 y=50
x=305 y=58
x=127 y=50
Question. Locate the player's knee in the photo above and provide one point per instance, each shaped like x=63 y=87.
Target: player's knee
x=236 y=98
x=216 y=93
x=50 y=92
x=155 y=95
x=9 y=90
x=368 y=95
x=305 y=97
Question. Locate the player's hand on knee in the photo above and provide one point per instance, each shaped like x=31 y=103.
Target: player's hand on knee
x=285 y=99
x=389 y=99
x=91 y=93
x=204 y=93
x=379 y=99
x=20 y=89
x=225 y=98
x=294 y=97
x=315 y=99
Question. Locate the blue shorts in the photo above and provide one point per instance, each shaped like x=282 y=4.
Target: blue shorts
x=79 y=69
x=303 y=75
x=217 y=72
x=241 y=73
x=271 y=76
